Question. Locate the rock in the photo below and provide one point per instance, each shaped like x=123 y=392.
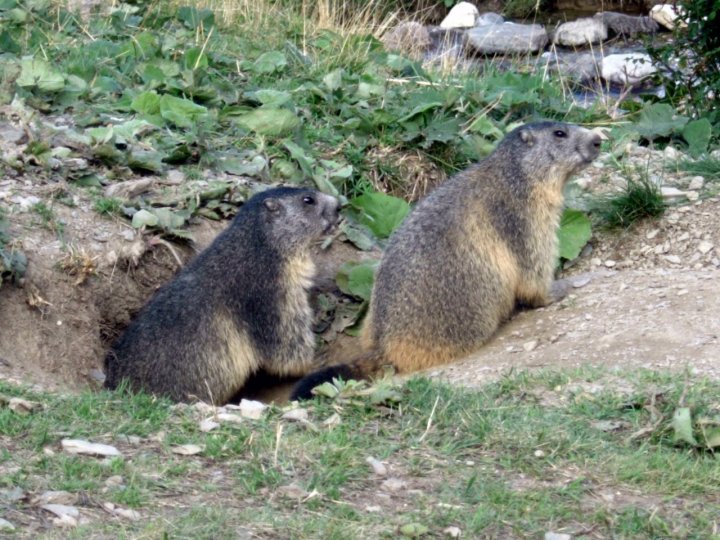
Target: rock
x=668 y=16
x=671 y=153
x=114 y=481
x=507 y=38
x=393 y=484
x=125 y=513
x=298 y=414
x=377 y=467
x=186 y=449
x=129 y=189
x=557 y=536
x=174 y=177
x=696 y=183
x=580 y=32
x=627 y=68
x=452 y=532
x=674 y=259
x=229 y=417
x=9 y=134
x=462 y=15
x=253 y=410
x=68 y=515
x=692 y=195
x=610 y=263
x=76 y=446
x=292 y=491
x=530 y=345
x=578 y=67
x=489 y=18
x=669 y=192
x=208 y=425
x=627 y=25
x=25 y=203
x=5 y=525
x=705 y=247
x=55 y=497
x=23 y=406
x=410 y=38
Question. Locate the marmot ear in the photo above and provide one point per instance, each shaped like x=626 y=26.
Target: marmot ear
x=527 y=137
x=272 y=205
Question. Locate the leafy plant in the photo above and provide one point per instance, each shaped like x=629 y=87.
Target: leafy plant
x=575 y=231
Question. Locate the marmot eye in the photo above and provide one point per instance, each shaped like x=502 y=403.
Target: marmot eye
x=308 y=199
x=559 y=133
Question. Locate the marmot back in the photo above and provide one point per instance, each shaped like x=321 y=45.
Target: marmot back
x=240 y=305
x=479 y=244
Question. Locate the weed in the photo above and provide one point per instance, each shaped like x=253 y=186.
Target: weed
x=708 y=167
x=48 y=218
x=108 y=206
x=640 y=199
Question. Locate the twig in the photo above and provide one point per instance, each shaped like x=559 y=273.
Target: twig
x=430 y=418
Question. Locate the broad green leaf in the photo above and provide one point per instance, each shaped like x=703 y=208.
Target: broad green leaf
x=269 y=62
x=146 y=103
x=575 y=231
x=38 y=73
x=357 y=234
x=272 y=98
x=297 y=152
x=144 y=218
x=269 y=121
x=181 y=112
x=100 y=135
x=357 y=279
x=486 y=127
x=421 y=109
x=196 y=18
x=146 y=160
x=195 y=59
x=414 y=530
x=381 y=213
x=659 y=120
x=167 y=219
x=682 y=426
x=333 y=80
x=697 y=133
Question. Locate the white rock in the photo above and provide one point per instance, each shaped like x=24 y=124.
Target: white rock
x=125 y=513
x=5 y=525
x=186 y=449
x=627 y=68
x=23 y=406
x=252 y=409
x=692 y=195
x=610 y=263
x=671 y=153
x=674 y=259
x=298 y=414
x=114 y=481
x=67 y=515
x=557 y=536
x=705 y=247
x=452 y=532
x=580 y=32
x=669 y=192
x=530 y=345
x=667 y=15
x=462 y=15
x=208 y=425
x=696 y=183
x=377 y=466
x=55 y=497
x=76 y=446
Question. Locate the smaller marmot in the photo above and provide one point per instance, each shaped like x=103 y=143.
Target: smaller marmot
x=241 y=305
x=468 y=254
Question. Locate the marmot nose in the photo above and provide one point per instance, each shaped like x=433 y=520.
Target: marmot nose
x=595 y=143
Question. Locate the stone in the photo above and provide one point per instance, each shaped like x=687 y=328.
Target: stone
x=557 y=536
x=580 y=32
x=627 y=68
x=462 y=15
x=668 y=16
x=377 y=466
x=5 y=525
x=489 y=18
x=530 y=345
x=705 y=247
x=669 y=192
x=76 y=446
x=627 y=25
x=696 y=183
x=507 y=38
x=410 y=38
x=254 y=410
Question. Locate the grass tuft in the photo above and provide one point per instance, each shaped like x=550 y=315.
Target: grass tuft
x=640 y=199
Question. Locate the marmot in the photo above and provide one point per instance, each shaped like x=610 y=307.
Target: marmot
x=480 y=244
x=240 y=305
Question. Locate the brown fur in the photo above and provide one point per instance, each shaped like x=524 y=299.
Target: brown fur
x=481 y=243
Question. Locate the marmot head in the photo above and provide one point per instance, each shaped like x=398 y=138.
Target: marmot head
x=295 y=217
x=550 y=151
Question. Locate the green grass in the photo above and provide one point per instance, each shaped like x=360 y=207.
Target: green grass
x=514 y=458
x=108 y=206
x=640 y=199
x=708 y=167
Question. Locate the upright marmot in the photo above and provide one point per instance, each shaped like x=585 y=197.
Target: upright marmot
x=481 y=243
x=240 y=305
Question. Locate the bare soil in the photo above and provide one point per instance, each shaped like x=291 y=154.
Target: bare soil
x=645 y=298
